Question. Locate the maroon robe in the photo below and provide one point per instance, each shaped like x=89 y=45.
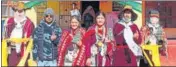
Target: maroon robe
x=28 y=28
x=90 y=39
x=122 y=54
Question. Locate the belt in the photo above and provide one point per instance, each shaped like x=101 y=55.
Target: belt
x=122 y=46
x=13 y=48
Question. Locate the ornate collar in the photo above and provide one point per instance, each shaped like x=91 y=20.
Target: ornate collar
x=100 y=37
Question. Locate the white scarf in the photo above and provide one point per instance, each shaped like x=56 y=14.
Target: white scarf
x=128 y=35
x=17 y=32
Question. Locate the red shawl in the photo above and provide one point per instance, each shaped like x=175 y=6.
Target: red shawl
x=64 y=43
x=89 y=39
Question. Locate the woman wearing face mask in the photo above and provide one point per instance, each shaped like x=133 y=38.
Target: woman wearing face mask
x=71 y=50
x=98 y=40
x=153 y=33
x=128 y=39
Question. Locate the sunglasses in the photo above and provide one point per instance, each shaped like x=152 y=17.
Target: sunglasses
x=49 y=16
x=19 y=11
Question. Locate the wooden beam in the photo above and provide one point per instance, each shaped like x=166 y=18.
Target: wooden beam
x=143 y=12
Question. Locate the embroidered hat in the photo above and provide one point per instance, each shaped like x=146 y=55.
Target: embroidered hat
x=19 y=6
x=128 y=9
x=154 y=13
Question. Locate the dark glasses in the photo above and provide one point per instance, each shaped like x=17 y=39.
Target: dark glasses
x=19 y=11
x=49 y=16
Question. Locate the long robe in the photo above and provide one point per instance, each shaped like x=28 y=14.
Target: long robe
x=157 y=31
x=90 y=40
x=123 y=56
x=27 y=31
x=67 y=40
x=148 y=31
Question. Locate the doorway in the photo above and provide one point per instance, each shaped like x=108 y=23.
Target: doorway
x=88 y=17
x=94 y=4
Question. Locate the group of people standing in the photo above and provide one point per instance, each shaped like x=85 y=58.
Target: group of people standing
x=76 y=46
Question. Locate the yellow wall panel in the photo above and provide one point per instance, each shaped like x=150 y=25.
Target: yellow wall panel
x=54 y=5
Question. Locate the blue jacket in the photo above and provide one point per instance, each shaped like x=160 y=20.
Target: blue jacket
x=44 y=48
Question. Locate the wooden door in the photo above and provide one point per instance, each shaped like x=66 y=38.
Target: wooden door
x=40 y=10
x=64 y=13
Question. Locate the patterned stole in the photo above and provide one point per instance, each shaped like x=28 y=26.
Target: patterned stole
x=65 y=41
x=80 y=59
x=62 y=47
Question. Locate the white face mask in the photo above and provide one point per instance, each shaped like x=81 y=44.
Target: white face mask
x=126 y=19
x=154 y=20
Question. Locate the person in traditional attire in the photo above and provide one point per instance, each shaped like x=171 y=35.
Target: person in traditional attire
x=75 y=11
x=128 y=39
x=19 y=26
x=99 y=41
x=153 y=33
x=45 y=40
x=71 y=50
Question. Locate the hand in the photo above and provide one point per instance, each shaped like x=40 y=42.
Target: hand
x=88 y=62
x=136 y=35
x=79 y=43
x=110 y=53
x=33 y=62
x=12 y=43
x=53 y=36
x=36 y=62
x=114 y=47
x=107 y=40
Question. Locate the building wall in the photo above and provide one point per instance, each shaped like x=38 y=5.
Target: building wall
x=62 y=11
x=40 y=10
x=106 y=6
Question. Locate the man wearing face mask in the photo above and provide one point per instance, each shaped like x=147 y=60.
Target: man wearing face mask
x=153 y=33
x=45 y=39
x=128 y=39
x=19 y=26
